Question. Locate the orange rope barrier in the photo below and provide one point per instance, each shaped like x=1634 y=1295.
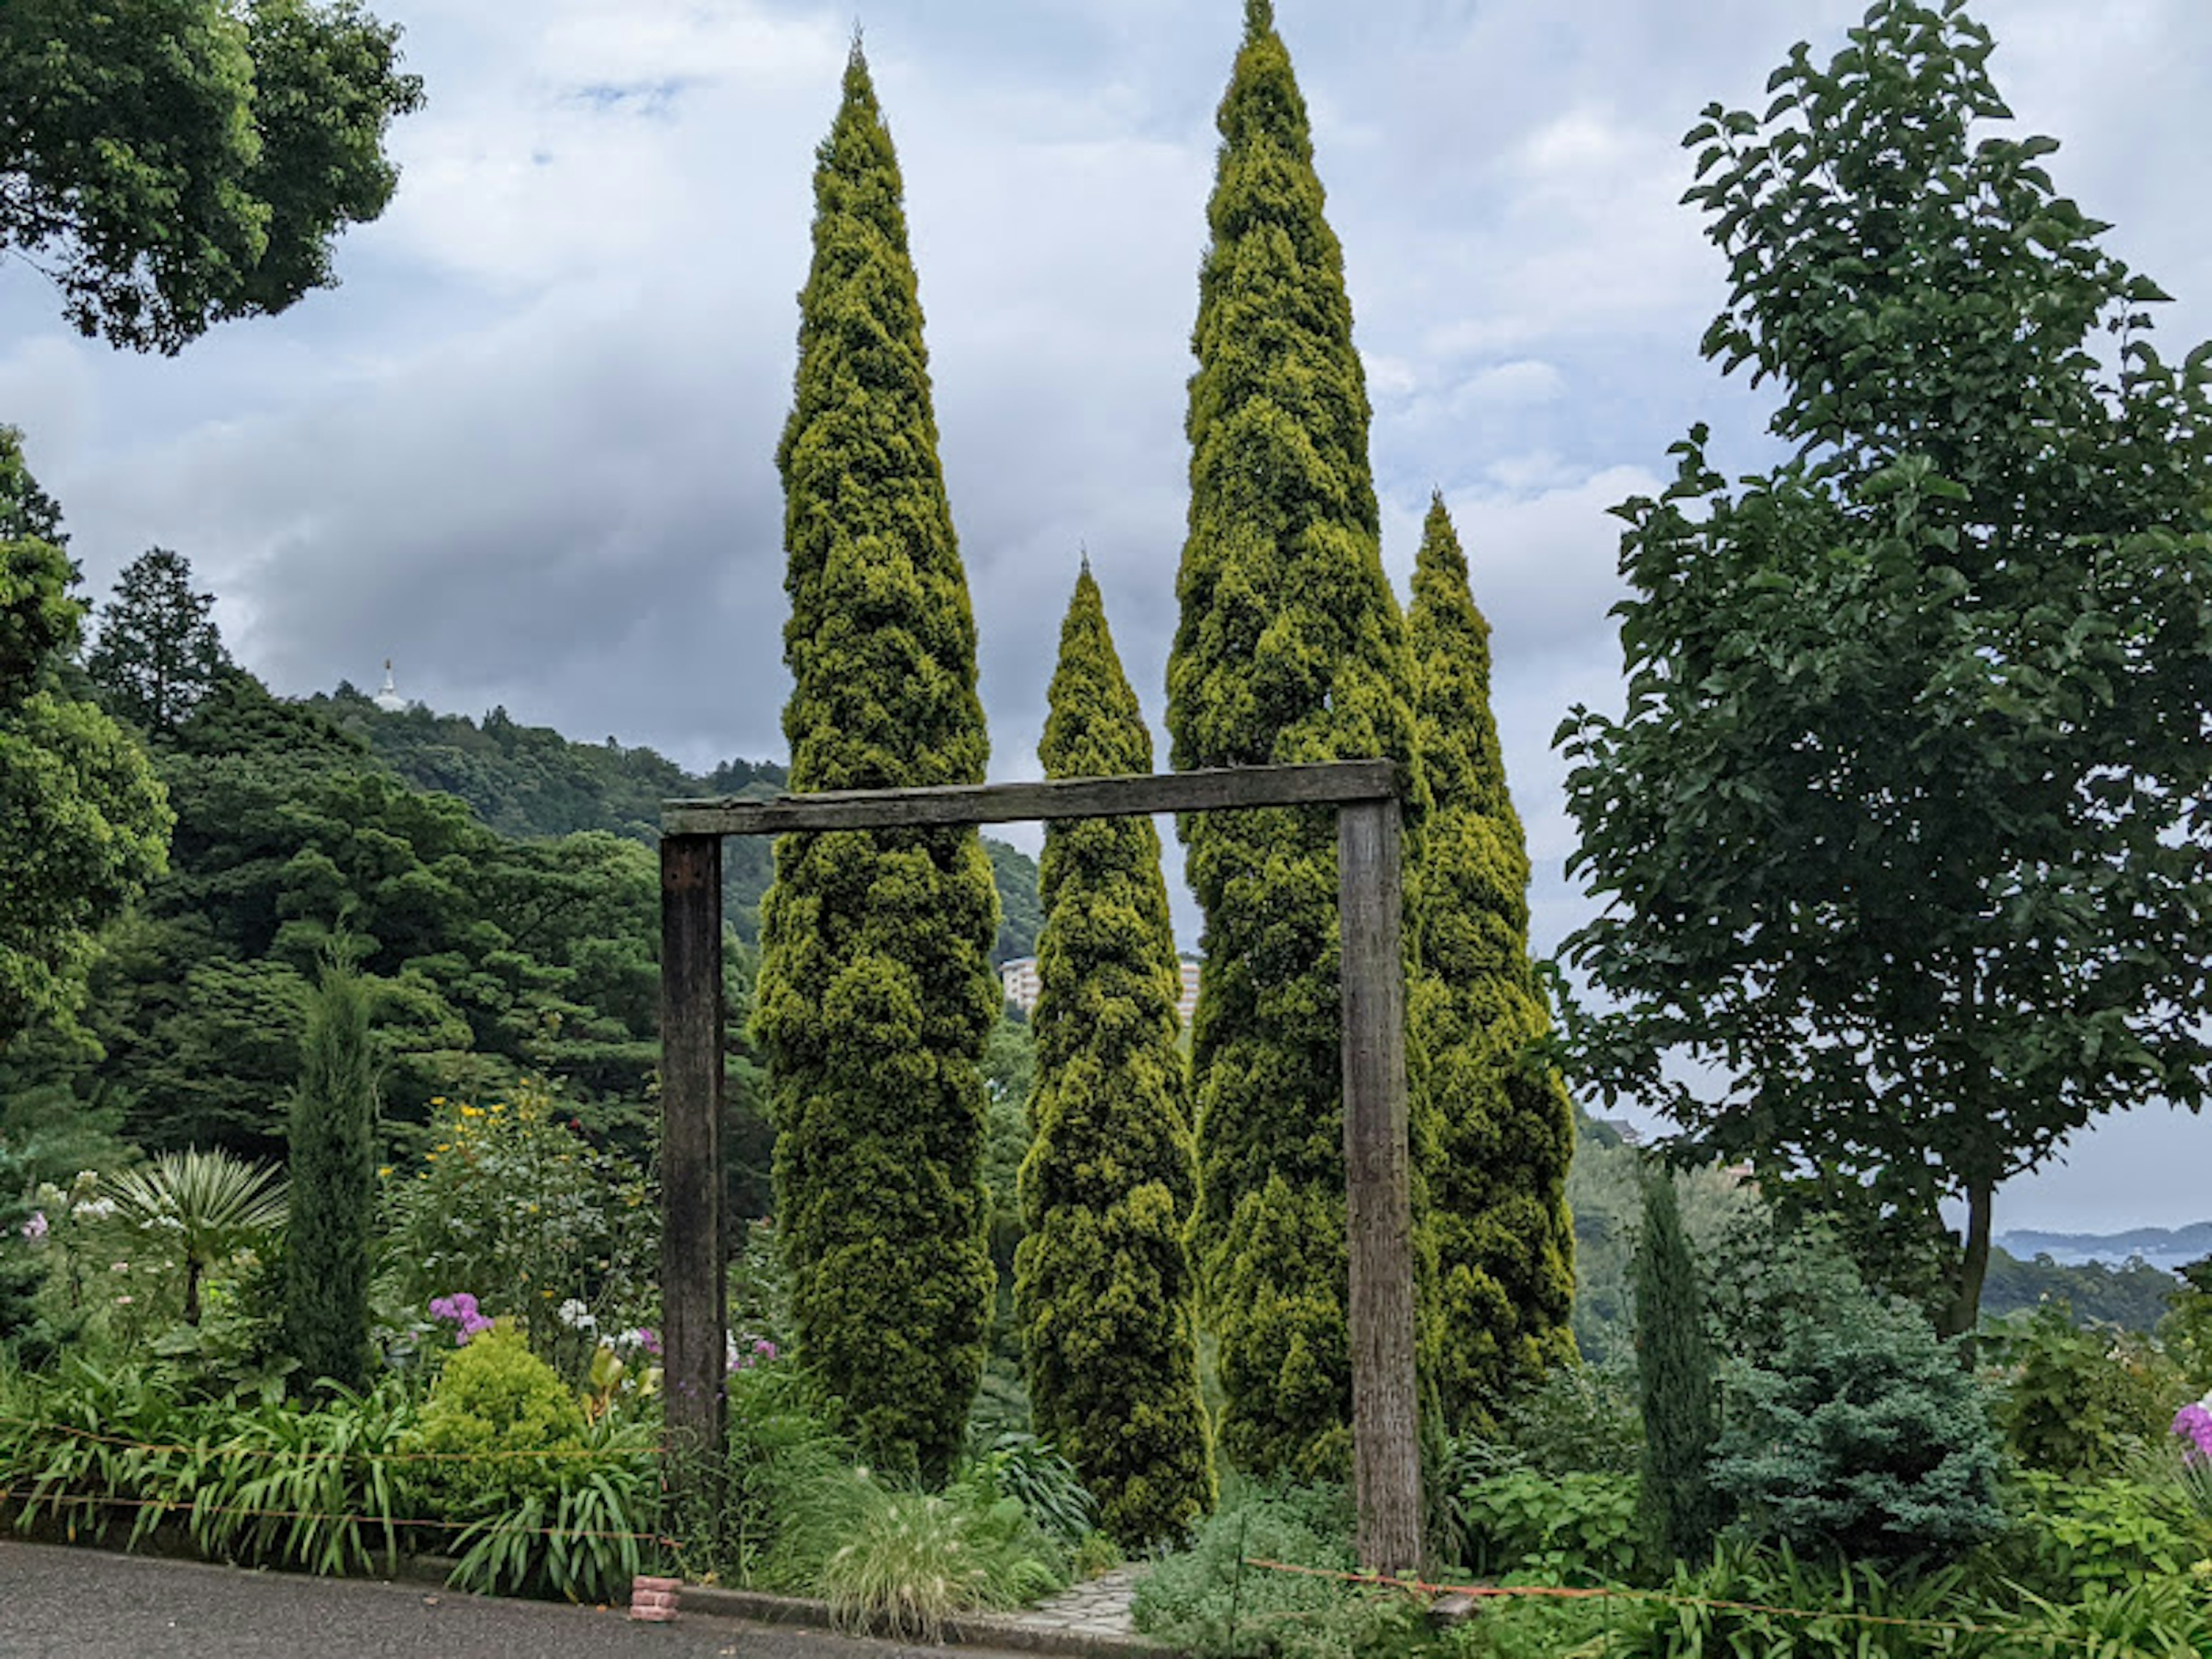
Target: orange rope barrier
x=1567 y=1592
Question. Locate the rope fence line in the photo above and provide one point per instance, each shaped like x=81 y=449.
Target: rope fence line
x=1565 y=1592
x=57 y=1503
x=233 y=1449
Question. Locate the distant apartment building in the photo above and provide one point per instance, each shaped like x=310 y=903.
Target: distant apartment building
x=1019 y=977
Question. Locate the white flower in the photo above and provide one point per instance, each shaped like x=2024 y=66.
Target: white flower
x=575 y=1315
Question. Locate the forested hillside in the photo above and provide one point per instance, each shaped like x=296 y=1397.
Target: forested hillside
x=495 y=882
x=530 y=780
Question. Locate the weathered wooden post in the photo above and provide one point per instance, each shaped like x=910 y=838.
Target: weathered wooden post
x=1379 y=1201
x=1385 y=1403
x=694 y=1317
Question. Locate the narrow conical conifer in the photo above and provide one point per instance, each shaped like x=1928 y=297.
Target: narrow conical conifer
x=1290 y=647
x=333 y=1155
x=875 y=995
x=1103 y=1286
x=1675 y=1386
x=1504 y=1129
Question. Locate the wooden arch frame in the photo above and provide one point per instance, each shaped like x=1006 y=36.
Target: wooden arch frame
x=1385 y=1406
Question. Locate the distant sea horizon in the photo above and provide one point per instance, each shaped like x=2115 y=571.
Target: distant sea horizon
x=2170 y=1248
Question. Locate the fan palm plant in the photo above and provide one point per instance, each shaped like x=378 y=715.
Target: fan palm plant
x=214 y=1204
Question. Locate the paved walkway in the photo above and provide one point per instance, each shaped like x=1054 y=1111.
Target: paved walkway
x=57 y=1604
x=1098 y=1606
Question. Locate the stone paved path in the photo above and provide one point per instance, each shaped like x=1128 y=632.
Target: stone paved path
x=1098 y=1606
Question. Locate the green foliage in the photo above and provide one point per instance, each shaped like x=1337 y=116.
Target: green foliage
x=2079 y=1402
x=2186 y=1331
x=1678 y=1384
x=159 y=653
x=1045 y=1484
x=1848 y=1425
x=1982 y=576
x=174 y=163
x=121 y=1455
x=23 y=1233
x=206 y=1206
x=1203 y=1601
x=529 y=783
x=510 y=1204
x=2071 y=1536
x=1579 y=1418
x=498 y=1419
x=2131 y=1297
x=1505 y=1130
x=485 y=960
x=909 y=1560
x=1021 y=912
x=1009 y=1079
x=1289 y=647
x=875 y=995
x=1103 y=1285
x=333 y=1174
x=83 y=821
x=1578 y=1529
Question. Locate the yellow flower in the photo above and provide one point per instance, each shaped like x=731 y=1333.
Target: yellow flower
x=383 y=1172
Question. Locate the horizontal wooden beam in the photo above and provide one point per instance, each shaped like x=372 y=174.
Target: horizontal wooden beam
x=1328 y=783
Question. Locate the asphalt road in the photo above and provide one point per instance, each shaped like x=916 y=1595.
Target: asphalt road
x=57 y=1604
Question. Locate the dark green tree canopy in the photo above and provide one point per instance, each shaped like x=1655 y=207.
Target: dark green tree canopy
x=1290 y=647
x=1103 y=1288
x=159 y=652
x=875 y=996
x=83 y=823
x=1903 y=831
x=171 y=164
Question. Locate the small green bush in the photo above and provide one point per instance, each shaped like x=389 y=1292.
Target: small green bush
x=1203 y=1601
x=1848 y=1426
x=2079 y=1402
x=497 y=1421
x=1567 y=1528
x=912 y=1560
x=2072 y=1537
x=1580 y=1420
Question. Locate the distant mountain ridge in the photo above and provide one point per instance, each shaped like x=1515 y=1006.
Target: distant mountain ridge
x=2162 y=1246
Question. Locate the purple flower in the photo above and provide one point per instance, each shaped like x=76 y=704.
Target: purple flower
x=461 y=1309
x=35 y=1228
x=2193 y=1423
x=648 y=1340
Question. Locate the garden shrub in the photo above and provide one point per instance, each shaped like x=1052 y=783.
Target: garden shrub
x=910 y=1559
x=2073 y=1536
x=2079 y=1402
x=1677 y=1383
x=1201 y=1600
x=1579 y=1420
x=1849 y=1425
x=496 y=1422
x=1567 y=1528
x=510 y=1203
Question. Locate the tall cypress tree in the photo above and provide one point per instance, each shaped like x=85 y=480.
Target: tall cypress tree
x=1103 y=1286
x=333 y=1185
x=875 y=995
x=1675 y=1372
x=1504 y=1131
x=1290 y=647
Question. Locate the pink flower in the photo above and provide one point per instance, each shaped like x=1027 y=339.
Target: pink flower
x=35 y=1228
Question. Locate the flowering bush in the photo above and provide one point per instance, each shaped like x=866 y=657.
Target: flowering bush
x=510 y=1199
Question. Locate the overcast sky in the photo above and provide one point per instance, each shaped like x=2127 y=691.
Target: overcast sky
x=527 y=449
